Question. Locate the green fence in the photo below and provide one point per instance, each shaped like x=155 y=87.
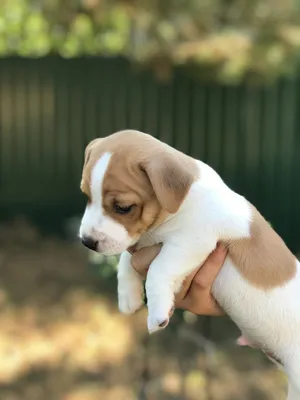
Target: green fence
x=50 y=108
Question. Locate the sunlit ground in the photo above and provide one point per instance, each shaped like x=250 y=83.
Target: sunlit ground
x=62 y=337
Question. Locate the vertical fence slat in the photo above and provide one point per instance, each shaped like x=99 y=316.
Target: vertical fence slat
x=230 y=132
x=166 y=106
x=6 y=117
x=214 y=125
x=181 y=103
x=269 y=151
x=286 y=143
x=152 y=103
x=198 y=115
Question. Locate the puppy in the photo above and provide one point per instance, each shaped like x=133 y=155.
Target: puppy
x=141 y=192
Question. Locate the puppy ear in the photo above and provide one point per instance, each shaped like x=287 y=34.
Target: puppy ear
x=89 y=148
x=87 y=154
x=171 y=177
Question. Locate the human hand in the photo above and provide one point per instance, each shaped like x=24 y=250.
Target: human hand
x=195 y=295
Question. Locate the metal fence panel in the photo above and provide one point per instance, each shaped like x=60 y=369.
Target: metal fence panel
x=51 y=108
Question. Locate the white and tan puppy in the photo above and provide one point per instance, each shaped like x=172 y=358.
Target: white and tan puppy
x=142 y=192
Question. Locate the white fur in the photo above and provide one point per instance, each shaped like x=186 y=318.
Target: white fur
x=112 y=237
x=210 y=212
x=129 y=281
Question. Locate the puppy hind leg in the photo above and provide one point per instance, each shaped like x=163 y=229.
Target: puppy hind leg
x=293 y=373
x=293 y=392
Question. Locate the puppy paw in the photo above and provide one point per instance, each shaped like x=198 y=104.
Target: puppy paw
x=177 y=285
x=130 y=298
x=157 y=323
x=171 y=312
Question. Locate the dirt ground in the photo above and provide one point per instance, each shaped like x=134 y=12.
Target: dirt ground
x=62 y=337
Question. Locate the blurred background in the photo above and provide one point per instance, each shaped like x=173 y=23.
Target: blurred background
x=218 y=79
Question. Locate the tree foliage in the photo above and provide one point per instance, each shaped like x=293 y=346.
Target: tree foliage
x=228 y=40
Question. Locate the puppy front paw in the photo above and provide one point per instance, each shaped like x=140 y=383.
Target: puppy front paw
x=130 y=297
x=157 y=322
x=160 y=303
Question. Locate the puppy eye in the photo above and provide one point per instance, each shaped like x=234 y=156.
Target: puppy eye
x=122 y=209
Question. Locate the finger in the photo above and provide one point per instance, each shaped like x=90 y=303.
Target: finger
x=201 y=274
x=203 y=304
x=186 y=286
x=141 y=259
x=243 y=341
x=211 y=267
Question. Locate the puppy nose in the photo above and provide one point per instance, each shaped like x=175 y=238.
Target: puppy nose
x=89 y=243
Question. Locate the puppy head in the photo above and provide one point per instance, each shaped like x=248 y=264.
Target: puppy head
x=132 y=182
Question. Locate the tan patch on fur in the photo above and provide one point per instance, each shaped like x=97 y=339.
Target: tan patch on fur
x=263 y=259
x=143 y=171
x=87 y=168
